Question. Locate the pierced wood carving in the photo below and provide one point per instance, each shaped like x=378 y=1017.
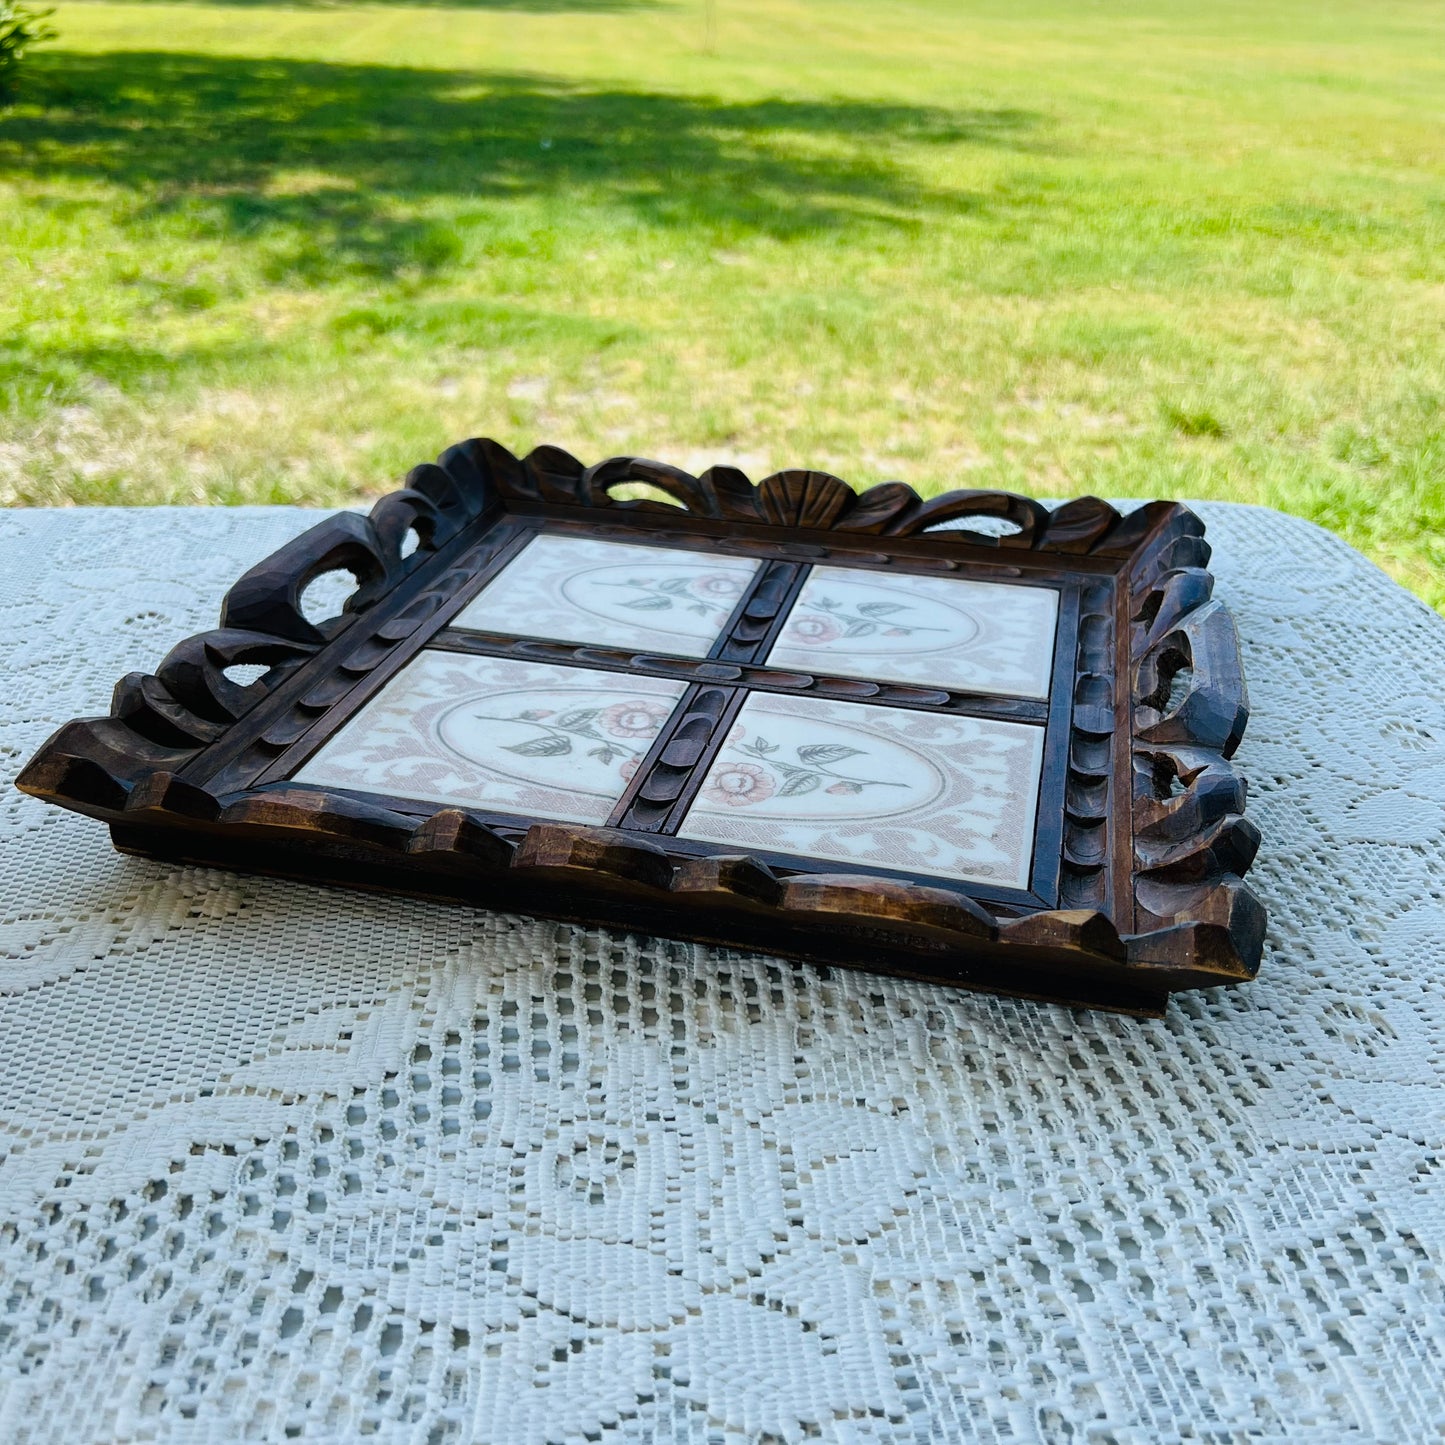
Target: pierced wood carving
x=1139 y=844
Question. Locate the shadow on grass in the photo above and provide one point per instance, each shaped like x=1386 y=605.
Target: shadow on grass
x=344 y=168
x=35 y=373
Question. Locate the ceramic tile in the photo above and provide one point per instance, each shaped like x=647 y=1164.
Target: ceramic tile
x=613 y=594
x=499 y=735
x=924 y=792
x=935 y=631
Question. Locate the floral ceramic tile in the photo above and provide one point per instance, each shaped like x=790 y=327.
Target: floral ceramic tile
x=918 y=791
x=933 y=631
x=613 y=594
x=499 y=735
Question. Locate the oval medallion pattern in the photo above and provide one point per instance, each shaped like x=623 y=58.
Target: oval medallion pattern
x=951 y=632
x=584 y=740
x=526 y=738
x=612 y=594
x=812 y=768
x=685 y=599
x=872 y=620
x=875 y=787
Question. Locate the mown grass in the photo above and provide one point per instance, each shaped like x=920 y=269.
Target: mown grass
x=251 y=252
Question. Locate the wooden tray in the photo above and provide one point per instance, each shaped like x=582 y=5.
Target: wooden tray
x=786 y=717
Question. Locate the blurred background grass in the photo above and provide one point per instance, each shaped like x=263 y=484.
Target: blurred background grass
x=263 y=253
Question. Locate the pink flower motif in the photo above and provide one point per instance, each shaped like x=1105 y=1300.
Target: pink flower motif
x=845 y=787
x=718 y=584
x=636 y=719
x=629 y=769
x=738 y=784
x=813 y=628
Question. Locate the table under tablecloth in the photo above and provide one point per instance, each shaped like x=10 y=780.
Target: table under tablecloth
x=283 y=1162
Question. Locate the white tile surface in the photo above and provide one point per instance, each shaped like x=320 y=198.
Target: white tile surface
x=925 y=792
x=947 y=632
x=499 y=735
x=613 y=594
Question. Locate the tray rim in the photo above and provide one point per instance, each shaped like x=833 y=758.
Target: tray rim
x=1152 y=842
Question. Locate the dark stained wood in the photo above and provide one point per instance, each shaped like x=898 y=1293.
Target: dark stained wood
x=1052 y=821
x=1003 y=901
x=756 y=679
x=674 y=769
x=328 y=704
x=1142 y=844
x=761 y=613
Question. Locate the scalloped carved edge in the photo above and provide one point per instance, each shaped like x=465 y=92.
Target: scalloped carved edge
x=1193 y=920
x=802 y=915
x=806 y=500
x=1192 y=843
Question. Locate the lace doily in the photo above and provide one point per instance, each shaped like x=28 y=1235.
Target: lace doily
x=281 y=1163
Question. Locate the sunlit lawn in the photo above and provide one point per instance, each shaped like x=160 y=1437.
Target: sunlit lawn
x=252 y=253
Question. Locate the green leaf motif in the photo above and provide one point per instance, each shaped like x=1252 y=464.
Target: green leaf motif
x=548 y=747
x=821 y=754
x=674 y=584
x=881 y=609
x=798 y=783
x=648 y=604
x=860 y=629
x=577 y=717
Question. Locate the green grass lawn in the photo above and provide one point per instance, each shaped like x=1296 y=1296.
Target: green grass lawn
x=266 y=253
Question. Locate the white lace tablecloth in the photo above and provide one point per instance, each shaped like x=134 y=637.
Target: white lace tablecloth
x=284 y=1163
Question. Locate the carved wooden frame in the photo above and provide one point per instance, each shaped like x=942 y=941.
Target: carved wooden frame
x=1141 y=845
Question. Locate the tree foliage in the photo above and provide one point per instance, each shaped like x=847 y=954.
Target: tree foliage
x=20 y=28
